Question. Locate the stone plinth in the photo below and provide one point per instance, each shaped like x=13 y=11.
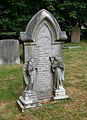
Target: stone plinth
x=60 y=94
x=28 y=100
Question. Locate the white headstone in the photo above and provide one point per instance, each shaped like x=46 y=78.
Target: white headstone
x=42 y=40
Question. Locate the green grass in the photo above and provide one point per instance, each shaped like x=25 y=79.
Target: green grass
x=75 y=83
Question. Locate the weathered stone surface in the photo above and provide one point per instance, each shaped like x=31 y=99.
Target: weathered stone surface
x=75 y=35
x=42 y=40
x=60 y=94
x=28 y=100
x=9 y=51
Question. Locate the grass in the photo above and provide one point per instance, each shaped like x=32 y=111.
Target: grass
x=75 y=83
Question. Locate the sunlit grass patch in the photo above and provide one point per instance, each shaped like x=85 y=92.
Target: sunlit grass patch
x=75 y=84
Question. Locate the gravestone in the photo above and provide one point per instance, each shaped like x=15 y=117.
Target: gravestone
x=9 y=51
x=42 y=40
x=75 y=35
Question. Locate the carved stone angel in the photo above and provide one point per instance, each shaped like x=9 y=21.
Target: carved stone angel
x=58 y=71
x=29 y=72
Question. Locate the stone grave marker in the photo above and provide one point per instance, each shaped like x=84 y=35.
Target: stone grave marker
x=42 y=40
x=9 y=52
x=75 y=35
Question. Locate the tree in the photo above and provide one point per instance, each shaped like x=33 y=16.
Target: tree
x=69 y=13
x=15 y=14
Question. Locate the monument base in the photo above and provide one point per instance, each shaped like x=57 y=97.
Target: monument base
x=60 y=93
x=28 y=100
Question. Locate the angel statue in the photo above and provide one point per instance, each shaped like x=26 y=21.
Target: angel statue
x=58 y=71
x=29 y=73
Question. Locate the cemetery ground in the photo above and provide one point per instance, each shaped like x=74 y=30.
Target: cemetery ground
x=75 y=84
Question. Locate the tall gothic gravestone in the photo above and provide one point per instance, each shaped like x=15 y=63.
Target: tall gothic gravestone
x=42 y=40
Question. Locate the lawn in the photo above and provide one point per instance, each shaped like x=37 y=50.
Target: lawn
x=75 y=83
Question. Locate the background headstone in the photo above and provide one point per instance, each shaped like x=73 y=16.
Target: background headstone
x=9 y=51
x=75 y=35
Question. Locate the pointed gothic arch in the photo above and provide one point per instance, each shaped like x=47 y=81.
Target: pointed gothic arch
x=47 y=18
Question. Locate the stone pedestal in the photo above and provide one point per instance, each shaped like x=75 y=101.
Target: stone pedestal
x=60 y=93
x=28 y=100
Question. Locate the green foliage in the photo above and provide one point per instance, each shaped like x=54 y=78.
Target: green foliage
x=9 y=35
x=15 y=14
x=67 y=12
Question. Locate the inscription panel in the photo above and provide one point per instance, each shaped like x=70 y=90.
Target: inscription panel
x=57 y=49
x=43 y=65
x=43 y=52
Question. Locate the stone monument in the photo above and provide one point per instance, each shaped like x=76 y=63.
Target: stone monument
x=42 y=41
x=75 y=35
x=9 y=51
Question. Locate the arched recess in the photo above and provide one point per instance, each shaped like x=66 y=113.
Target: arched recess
x=47 y=31
x=43 y=17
